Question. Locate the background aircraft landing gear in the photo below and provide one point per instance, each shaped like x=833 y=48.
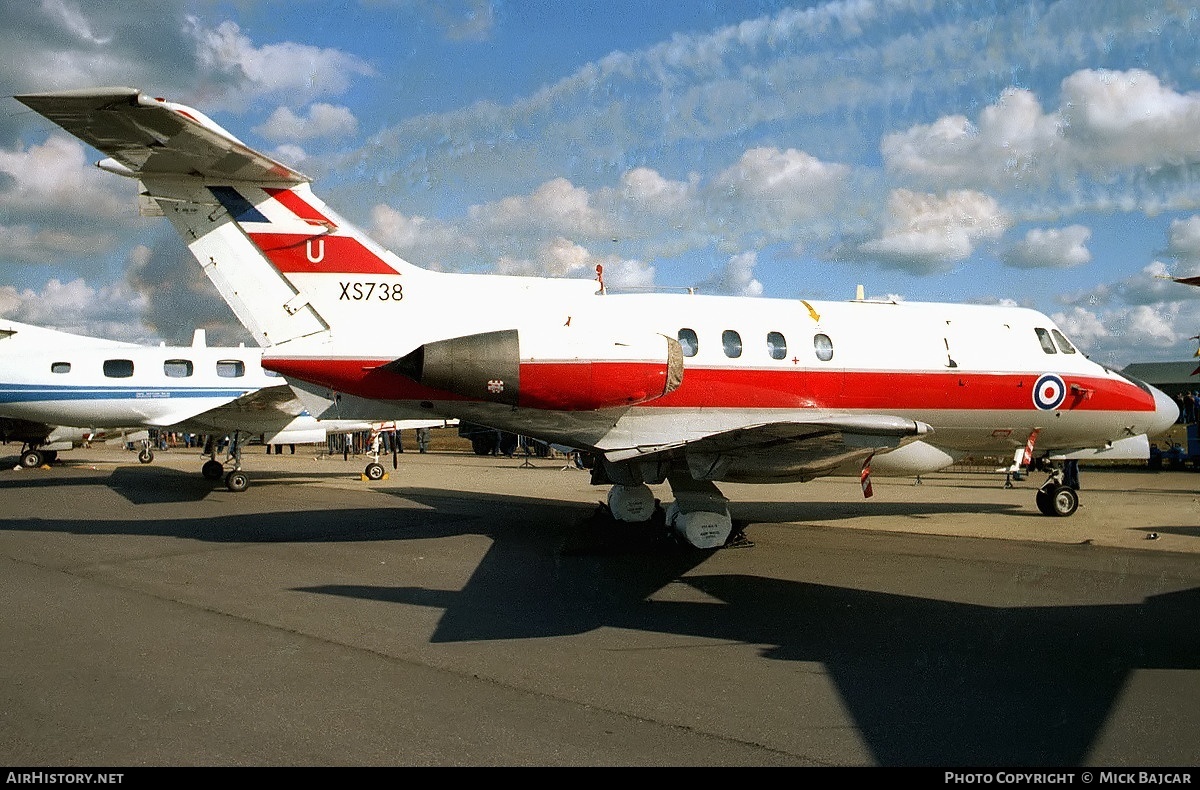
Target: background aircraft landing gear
x=32 y=459
x=237 y=480
x=145 y=455
x=374 y=471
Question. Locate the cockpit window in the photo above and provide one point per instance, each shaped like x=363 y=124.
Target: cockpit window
x=688 y=341
x=1064 y=345
x=1044 y=339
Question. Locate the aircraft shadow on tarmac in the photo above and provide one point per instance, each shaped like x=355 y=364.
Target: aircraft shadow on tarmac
x=928 y=681
x=149 y=484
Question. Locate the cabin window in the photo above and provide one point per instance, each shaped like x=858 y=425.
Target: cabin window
x=1064 y=345
x=1044 y=339
x=60 y=367
x=731 y=341
x=689 y=342
x=776 y=345
x=178 y=368
x=118 y=368
x=823 y=346
x=231 y=368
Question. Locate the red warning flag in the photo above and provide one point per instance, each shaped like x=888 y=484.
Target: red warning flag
x=864 y=478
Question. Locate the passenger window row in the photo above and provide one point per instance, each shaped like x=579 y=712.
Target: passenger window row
x=173 y=368
x=731 y=344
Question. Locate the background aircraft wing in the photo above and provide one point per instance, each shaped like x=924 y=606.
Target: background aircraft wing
x=266 y=410
x=147 y=136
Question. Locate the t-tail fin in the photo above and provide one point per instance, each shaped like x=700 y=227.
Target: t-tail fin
x=252 y=222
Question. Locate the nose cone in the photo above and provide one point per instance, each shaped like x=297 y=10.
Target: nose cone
x=1166 y=412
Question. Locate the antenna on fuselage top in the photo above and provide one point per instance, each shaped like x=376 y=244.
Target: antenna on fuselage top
x=600 y=278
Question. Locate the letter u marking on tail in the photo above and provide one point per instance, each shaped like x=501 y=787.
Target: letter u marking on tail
x=320 y=254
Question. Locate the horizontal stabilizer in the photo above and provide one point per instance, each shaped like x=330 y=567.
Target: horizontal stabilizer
x=144 y=136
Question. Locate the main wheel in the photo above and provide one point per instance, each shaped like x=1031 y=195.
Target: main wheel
x=32 y=459
x=237 y=481
x=212 y=470
x=146 y=455
x=374 y=471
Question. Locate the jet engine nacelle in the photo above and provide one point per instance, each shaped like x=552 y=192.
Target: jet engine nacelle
x=548 y=373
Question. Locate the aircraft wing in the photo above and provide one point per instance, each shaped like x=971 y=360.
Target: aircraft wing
x=143 y=135
x=788 y=450
x=1188 y=280
x=265 y=410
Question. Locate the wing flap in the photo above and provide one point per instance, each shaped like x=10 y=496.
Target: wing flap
x=785 y=451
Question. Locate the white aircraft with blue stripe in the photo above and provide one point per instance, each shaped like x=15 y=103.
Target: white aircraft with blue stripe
x=58 y=389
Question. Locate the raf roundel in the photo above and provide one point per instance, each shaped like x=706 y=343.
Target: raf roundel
x=1049 y=391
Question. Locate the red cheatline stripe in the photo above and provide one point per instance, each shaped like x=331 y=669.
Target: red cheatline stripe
x=869 y=391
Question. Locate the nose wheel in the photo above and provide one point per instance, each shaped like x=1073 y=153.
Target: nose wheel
x=1056 y=499
x=1059 y=495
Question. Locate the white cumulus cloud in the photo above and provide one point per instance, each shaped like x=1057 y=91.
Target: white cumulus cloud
x=1050 y=248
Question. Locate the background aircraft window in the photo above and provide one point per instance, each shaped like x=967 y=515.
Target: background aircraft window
x=731 y=341
x=776 y=345
x=231 y=368
x=178 y=368
x=1064 y=345
x=60 y=367
x=687 y=339
x=1044 y=339
x=823 y=346
x=118 y=368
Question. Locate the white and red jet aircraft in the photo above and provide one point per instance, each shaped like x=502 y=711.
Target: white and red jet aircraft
x=682 y=388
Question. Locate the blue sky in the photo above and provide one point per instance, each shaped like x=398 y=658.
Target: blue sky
x=1043 y=154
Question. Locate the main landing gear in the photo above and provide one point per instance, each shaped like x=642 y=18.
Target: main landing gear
x=699 y=515
x=235 y=479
